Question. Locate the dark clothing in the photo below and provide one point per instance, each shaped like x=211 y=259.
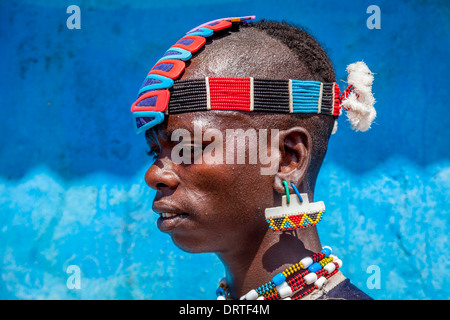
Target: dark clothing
x=346 y=290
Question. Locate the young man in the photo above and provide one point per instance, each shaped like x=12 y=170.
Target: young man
x=212 y=191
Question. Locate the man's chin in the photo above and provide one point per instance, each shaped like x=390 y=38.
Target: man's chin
x=191 y=244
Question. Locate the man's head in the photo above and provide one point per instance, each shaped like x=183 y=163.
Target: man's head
x=219 y=207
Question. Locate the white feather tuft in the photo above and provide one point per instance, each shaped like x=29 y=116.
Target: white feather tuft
x=359 y=104
x=335 y=127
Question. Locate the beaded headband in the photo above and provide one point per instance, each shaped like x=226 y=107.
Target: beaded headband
x=161 y=94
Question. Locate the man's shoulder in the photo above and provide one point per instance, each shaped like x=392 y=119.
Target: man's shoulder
x=347 y=291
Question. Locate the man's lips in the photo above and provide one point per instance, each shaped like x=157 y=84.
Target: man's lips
x=162 y=207
x=170 y=217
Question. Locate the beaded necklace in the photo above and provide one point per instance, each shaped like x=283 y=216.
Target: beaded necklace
x=309 y=274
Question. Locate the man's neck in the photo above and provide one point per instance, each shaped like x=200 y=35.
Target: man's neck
x=254 y=264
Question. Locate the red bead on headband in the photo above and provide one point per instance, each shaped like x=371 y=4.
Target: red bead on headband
x=218 y=25
x=169 y=68
x=230 y=19
x=230 y=94
x=156 y=100
x=190 y=43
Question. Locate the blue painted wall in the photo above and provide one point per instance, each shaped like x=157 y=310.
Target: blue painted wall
x=71 y=167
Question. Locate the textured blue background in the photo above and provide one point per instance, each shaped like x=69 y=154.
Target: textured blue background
x=71 y=167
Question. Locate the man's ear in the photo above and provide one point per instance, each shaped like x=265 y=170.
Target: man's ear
x=295 y=156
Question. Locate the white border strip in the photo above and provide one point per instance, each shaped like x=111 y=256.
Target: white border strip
x=291 y=102
x=208 y=94
x=332 y=102
x=252 y=99
x=319 y=106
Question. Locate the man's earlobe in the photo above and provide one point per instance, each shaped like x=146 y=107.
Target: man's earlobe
x=295 y=157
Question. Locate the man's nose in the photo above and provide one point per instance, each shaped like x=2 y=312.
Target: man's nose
x=160 y=176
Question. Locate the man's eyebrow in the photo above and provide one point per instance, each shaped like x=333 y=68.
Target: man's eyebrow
x=151 y=135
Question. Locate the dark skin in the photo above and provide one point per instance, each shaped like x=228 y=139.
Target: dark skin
x=220 y=207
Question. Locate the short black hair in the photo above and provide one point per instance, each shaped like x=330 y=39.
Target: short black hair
x=303 y=44
x=263 y=49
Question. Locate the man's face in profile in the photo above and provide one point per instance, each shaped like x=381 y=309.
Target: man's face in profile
x=207 y=206
x=219 y=206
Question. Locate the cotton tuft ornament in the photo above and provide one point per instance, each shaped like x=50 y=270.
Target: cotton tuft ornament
x=357 y=99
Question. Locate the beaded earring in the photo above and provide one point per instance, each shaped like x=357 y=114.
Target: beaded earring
x=295 y=212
